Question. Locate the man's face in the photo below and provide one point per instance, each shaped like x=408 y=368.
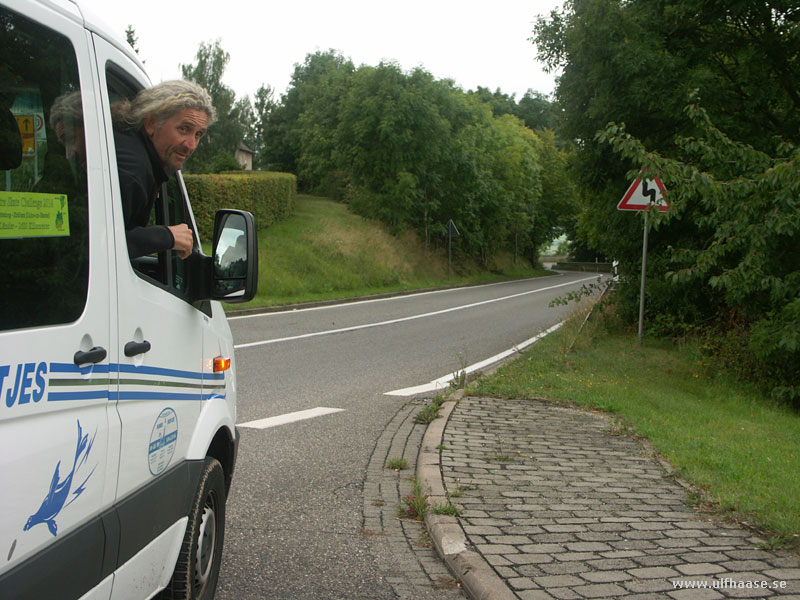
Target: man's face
x=71 y=136
x=176 y=138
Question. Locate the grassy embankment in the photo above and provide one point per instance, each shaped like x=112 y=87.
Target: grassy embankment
x=325 y=252
x=739 y=449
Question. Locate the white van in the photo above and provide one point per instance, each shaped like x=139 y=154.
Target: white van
x=117 y=387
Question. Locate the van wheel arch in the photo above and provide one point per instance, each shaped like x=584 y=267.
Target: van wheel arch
x=223 y=448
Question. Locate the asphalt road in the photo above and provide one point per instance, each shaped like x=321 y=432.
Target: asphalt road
x=295 y=523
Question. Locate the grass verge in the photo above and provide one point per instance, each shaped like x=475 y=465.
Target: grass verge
x=735 y=445
x=325 y=252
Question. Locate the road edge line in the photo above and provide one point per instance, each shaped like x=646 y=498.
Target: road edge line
x=485 y=367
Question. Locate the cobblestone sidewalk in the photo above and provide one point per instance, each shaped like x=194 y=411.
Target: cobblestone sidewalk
x=560 y=508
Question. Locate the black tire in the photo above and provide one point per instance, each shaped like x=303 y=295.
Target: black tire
x=197 y=569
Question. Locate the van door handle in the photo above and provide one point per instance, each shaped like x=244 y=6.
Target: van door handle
x=95 y=355
x=136 y=348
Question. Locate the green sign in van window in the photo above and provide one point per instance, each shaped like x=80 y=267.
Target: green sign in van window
x=33 y=215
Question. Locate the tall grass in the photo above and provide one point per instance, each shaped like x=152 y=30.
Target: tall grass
x=326 y=252
x=725 y=437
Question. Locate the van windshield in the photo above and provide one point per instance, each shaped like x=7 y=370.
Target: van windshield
x=44 y=242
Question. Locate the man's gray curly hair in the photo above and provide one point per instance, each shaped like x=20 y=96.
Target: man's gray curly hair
x=67 y=107
x=163 y=101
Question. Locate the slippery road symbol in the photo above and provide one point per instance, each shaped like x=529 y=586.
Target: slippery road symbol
x=58 y=494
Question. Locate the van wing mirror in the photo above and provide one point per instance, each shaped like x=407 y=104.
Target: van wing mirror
x=235 y=257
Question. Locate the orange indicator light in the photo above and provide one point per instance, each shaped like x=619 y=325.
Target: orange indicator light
x=221 y=364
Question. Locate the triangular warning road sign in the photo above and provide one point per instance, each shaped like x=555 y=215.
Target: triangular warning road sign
x=642 y=193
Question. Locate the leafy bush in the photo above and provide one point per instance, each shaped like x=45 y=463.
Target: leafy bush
x=744 y=205
x=223 y=161
x=269 y=196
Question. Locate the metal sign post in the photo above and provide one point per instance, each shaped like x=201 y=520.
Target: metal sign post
x=452 y=231
x=644 y=271
x=641 y=195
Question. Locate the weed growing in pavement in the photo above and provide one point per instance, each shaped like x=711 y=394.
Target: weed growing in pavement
x=459 y=380
x=424 y=540
x=427 y=414
x=415 y=504
x=460 y=489
x=445 y=508
x=398 y=464
x=502 y=454
x=781 y=542
x=430 y=412
x=502 y=458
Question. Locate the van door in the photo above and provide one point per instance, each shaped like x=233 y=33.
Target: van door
x=59 y=434
x=160 y=369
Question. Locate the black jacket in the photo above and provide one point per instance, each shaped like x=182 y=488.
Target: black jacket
x=141 y=175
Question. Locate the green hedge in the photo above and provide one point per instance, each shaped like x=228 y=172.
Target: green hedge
x=269 y=196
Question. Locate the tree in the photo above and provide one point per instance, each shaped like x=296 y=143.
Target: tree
x=263 y=106
x=727 y=250
x=558 y=207
x=617 y=66
x=396 y=136
x=283 y=131
x=245 y=115
x=536 y=111
x=227 y=132
x=500 y=103
x=509 y=213
x=416 y=152
x=317 y=166
x=130 y=37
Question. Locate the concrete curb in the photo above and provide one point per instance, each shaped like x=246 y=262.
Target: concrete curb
x=477 y=577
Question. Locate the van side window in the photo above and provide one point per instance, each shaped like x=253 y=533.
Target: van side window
x=44 y=231
x=163 y=269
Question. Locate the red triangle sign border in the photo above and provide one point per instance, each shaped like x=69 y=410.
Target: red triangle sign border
x=624 y=203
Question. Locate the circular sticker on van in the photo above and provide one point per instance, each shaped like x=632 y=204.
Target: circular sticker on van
x=163 y=440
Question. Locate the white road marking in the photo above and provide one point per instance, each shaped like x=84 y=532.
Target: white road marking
x=301 y=415
x=374 y=300
x=404 y=319
x=342 y=304
x=443 y=382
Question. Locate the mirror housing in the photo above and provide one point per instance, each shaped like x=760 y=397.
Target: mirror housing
x=234 y=269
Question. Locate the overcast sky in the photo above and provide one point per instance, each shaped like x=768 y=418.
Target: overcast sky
x=476 y=43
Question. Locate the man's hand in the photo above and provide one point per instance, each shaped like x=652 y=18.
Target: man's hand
x=184 y=239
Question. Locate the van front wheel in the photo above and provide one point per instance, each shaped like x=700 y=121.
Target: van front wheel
x=197 y=569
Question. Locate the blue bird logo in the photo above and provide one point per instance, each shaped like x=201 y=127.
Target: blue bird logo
x=58 y=496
